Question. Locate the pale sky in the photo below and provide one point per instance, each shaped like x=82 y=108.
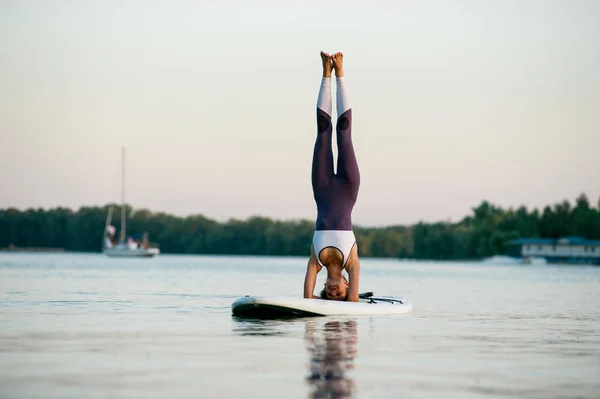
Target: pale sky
x=454 y=102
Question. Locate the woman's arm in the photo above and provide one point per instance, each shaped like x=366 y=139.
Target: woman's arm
x=353 y=269
x=312 y=269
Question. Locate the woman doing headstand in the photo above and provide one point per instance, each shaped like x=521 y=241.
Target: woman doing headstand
x=334 y=245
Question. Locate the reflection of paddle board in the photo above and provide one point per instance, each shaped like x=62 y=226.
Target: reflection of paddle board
x=286 y=307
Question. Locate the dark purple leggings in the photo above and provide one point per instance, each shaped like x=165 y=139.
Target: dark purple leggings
x=335 y=193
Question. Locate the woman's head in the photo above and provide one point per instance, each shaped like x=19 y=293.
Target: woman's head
x=336 y=289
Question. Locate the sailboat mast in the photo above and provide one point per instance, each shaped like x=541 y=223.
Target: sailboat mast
x=123 y=216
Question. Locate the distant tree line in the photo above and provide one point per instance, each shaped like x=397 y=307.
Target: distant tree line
x=482 y=234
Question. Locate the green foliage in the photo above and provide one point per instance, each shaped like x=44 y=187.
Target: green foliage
x=482 y=234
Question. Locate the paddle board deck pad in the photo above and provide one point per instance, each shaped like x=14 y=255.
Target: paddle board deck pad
x=266 y=307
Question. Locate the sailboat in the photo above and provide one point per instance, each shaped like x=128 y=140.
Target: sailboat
x=126 y=246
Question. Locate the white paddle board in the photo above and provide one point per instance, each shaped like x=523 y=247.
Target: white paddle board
x=270 y=307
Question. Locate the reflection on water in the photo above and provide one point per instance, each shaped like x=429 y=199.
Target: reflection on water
x=331 y=346
x=248 y=327
x=332 y=349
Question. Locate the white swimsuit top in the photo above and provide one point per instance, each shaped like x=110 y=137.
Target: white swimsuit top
x=343 y=240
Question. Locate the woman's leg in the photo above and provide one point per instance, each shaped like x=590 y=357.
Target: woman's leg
x=347 y=165
x=322 y=163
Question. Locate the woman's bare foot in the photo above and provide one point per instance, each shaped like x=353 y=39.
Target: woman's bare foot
x=326 y=59
x=338 y=60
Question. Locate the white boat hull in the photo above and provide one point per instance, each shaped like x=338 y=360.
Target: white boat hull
x=131 y=252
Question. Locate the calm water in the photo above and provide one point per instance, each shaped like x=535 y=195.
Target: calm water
x=74 y=326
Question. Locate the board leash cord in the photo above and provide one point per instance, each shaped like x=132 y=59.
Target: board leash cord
x=369 y=296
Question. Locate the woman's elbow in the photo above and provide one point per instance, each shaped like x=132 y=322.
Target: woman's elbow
x=352 y=298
